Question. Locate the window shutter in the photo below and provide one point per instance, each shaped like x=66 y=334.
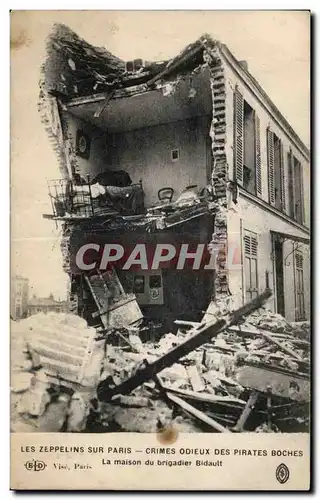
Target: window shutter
x=238 y=136
x=270 y=148
x=299 y=261
x=247 y=246
x=302 y=208
x=258 y=155
x=254 y=247
x=291 y=184
x=283 y=179
x=250 y=265
x=250 y=245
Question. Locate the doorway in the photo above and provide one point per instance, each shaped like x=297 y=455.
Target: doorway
x=278 y=256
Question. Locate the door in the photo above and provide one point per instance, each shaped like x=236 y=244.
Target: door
x=299 y=288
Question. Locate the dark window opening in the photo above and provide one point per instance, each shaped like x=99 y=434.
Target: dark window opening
x=155 y=281
x=278 y=257
x=175 y=154
x=138 y=284
x=249 y=167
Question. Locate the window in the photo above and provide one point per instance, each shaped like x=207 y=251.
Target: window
x=138 y=284
x=175 y=154
x=299 y=287
x=155 y=281
x=247 y=154
x=276 y=174
x=296 y=202
x=249 y=173
x=250 y=265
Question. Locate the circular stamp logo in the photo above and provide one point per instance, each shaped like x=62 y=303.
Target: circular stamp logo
x=35 y=465
x=282 y=473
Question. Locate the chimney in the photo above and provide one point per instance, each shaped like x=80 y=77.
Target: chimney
x=244 y=65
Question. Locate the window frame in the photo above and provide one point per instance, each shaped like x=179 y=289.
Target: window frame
x=239 y=144
x=299 y=292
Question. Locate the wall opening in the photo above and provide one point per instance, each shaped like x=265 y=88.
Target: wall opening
x=249 y=170
x=278 y=256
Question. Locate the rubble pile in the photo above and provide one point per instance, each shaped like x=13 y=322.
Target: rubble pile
x=55 y=367
x=253 y=376
x=265 y=319
x=207 y=377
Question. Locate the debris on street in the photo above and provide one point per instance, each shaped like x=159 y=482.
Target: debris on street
x=232 y=374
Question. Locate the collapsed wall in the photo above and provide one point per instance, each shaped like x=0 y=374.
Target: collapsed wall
x=75 y=69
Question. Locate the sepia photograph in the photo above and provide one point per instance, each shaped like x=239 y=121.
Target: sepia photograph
x=160 y=197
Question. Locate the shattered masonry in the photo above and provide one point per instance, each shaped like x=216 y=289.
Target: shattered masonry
x=219 y=162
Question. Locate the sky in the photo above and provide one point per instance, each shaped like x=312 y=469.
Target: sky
x=274 y=43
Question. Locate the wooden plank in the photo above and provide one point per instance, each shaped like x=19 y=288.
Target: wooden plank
x=204 y=397
x=200 y=336
x=180 y=322
x=281 y=346
x=195 y=379
x=197 y=413
x=239 y=427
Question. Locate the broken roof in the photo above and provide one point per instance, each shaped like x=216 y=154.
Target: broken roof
x=75 y=69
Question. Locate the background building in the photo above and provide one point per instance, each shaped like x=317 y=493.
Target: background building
x=46 y=304
x=19 y=297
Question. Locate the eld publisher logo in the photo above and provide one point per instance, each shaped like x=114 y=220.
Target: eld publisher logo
x=35 y=465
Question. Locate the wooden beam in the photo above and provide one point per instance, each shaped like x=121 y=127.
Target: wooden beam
x=197 y=413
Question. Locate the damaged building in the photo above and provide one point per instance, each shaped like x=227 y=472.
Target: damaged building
x=188 y=154
x=188 y=150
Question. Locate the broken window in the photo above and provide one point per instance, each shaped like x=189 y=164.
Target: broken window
x=299 y=287
x=247 y=155
x=276 y=174
x=296 y=207
x=250 y=265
